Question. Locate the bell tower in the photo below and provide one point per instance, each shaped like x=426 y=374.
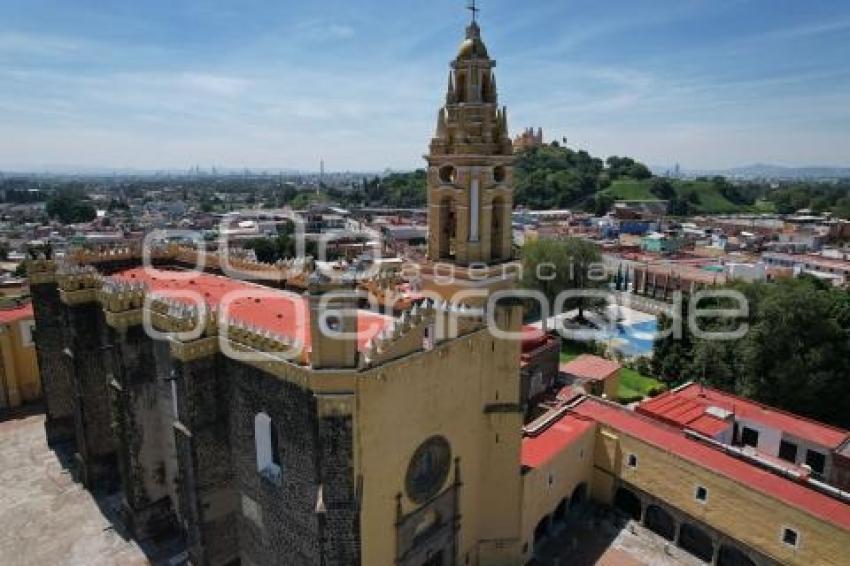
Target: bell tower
x=470 y=164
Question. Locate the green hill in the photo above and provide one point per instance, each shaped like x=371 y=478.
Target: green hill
x=629 y=189
x=551 y=177
x=702 y=196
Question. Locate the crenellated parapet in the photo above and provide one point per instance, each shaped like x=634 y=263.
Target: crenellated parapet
x=120 y=296
x=260 y=340
x=235 y=263
x=455 y=319
x=85 y=256
x=384 y=289
x=78 y=284
x=402 y=337
x=421 y=328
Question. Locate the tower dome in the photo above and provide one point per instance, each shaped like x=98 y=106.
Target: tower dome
x=473 y=46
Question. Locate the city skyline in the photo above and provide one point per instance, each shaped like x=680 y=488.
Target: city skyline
x=711 y=85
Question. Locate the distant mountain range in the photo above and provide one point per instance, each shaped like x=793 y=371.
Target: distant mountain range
x=767 y=171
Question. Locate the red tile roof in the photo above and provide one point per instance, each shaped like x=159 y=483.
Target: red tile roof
x=22 y=312
x=673 y=441
x=280 y=312
x=681 y=407
x=709 y=425
x=540 y=449
x=590 y=367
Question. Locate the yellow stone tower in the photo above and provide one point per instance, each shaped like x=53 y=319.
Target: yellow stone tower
x=470 y=173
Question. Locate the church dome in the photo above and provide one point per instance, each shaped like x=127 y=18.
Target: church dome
x=472 y=48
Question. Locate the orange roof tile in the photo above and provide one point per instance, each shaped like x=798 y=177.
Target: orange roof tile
x=21 y=312
x=538 y=450
x=283 y=313
x=590 y=367
x=682 y=406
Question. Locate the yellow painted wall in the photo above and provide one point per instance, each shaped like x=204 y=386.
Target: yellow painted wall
x=20 y=378
x=732 y=508
x=444 y=392
x=569 y=468
x=612 y=386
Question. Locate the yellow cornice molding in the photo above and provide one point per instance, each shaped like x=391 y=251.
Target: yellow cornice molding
x=78 y=297
x=121 y=321
x=191 y=351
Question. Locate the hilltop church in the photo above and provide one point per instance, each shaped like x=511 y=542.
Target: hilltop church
x=262 y=438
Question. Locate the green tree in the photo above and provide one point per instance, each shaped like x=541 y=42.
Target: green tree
x=793 y=357
x=662 y=188
x=70 y=207
x=553 y=266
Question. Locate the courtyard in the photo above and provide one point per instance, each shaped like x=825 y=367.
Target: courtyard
x=47 y=518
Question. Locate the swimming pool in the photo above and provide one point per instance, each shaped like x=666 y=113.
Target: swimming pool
x=632 y=340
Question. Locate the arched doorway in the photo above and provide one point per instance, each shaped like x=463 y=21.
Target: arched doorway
x=579 y=495
x=732 y=556
x=627 y=502
x=448 y=228
x=497 y=229
x=696 y=541
x=660 y=522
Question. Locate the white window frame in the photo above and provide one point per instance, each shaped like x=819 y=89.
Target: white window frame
x=799 y=538
x=696 y=494
x=25 y=327
x=263 y=443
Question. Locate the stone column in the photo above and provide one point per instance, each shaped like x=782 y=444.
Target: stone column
x=143 y=416
x=208 y=502
x=340 y=540
x=96 y=457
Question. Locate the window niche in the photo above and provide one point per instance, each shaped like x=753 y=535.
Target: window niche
x=267 y=447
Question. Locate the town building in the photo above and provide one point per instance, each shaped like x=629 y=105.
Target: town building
x=830 y=269
x=19 y=378
x=593 y=374
x=528 y=139
x=765 y=434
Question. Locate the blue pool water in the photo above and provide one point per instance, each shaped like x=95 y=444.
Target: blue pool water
x=630 y=339
x=635 y=339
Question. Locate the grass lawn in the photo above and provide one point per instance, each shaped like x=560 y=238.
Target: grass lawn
x=571 y=350
x=633 y=384
x=630 y=189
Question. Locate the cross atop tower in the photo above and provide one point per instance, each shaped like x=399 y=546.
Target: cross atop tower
x=474 y=9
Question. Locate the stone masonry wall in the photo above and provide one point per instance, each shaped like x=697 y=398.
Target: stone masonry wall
x=85 y=338
x=54 y=366
x=207 y=498
x=143 y=416
x=278 y=522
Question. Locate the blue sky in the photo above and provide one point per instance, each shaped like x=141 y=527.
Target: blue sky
x=278 y=83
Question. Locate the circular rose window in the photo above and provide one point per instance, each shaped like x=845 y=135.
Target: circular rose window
x=428 y=469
